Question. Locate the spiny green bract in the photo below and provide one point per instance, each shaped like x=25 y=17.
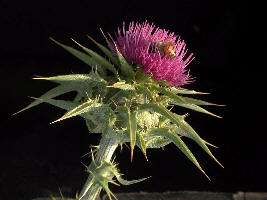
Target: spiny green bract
x=128 y=105
x=102 y=174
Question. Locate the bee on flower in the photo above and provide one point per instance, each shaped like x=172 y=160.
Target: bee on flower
x=167 y=48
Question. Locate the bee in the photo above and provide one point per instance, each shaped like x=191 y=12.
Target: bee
x=167 y=48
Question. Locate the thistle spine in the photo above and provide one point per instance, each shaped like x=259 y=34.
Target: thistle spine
x=106 y=149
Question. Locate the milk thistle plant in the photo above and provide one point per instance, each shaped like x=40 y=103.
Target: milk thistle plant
x=127 y=98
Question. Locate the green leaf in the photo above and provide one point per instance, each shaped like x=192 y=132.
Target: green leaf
x=199 y=102
x=163 y=111
x=99 y=59
x=141 y=142
x=179 y=121
x=54 y=92
x=185 y=91
x=126 y=68
x=196 y=137
x=125 y=182
x=182 y=132
x=83 y=82
x=77 y=98
x=122 y=85
x=122 y=116
x=97 y=119
x=193 y=107
x=179 y=143
x=156 y=141
x=91 y=78
x=63 y=104
x=181 y=101
x=132 y=126
x=142 y=77
x=169 y=94
x=80 y=55
x=106 y=51
x=81 y=109
x=141 y=89
x=102 y=119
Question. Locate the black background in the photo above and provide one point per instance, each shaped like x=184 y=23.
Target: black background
x=38 y=158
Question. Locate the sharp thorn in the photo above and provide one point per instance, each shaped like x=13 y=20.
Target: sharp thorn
x=37 y=76
x=217 y=161
x=27 y=107
x=145 y=156
x=204 y=173
x=20 y=111
x=104 y=36
x=212 y=145
x=132 y=149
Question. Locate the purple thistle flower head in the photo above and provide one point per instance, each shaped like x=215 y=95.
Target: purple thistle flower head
x=160 y=53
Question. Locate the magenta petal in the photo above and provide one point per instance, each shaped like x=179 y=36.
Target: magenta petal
x=139 y=45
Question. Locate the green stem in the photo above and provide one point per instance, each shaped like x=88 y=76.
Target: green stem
x=106 y=149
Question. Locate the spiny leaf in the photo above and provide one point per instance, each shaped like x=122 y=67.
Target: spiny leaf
x=99 y=59
x=180 y=101
x=122 y=85
x=104 y=184
x=122 y=110
x=141 y=89
x=169 y=94
x=156 y=142
x=185 y=91
x=196 y=138
x=98 y=119
x=63 y=104
x=141 y=143
x=179 y=143
x=163 y=111
x=182 y=132
x=193 y=107
x=61 y=89
x=199 y=102
x=77 y=98
x=179 y=121
x=106 y=51
x=83 y=108
x=80 y=55
x=142 y=77
x=132 y=126
x=91 y=78
x=126 y=68
x=125 y=182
